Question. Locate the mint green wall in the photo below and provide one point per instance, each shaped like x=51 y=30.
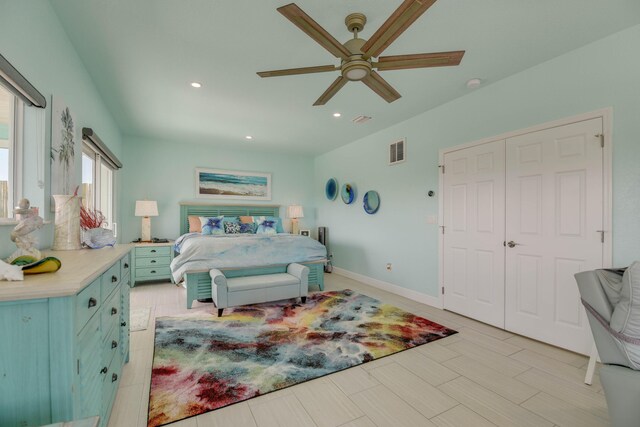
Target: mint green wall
x=602 y=74
x=33 y=40
x=165 y=171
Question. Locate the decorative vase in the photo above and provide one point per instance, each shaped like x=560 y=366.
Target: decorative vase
x=66 y=235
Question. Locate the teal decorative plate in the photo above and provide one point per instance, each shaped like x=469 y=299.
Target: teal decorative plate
x=331 y=189
x=371 y=202
x=348 y=193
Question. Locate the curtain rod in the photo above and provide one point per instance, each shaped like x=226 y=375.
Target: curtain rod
x=88 y=133
x=20 y=86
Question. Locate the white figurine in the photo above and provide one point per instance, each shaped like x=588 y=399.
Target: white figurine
x=10 y=272
x=21 y=234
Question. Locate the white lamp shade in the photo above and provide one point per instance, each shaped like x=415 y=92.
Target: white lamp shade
x=295 y=211
x=146 y=208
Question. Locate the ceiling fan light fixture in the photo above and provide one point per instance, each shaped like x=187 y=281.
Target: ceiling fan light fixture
x=356 y=69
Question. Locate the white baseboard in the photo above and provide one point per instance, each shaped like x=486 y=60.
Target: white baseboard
x=390 y=287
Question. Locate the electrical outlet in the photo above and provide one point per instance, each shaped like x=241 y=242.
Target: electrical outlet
x=389 y=267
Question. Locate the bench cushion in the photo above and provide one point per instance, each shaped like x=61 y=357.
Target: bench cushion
x=258 y=282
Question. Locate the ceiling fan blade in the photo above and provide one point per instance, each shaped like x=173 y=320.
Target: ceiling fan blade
x=398 y=22
x=332 y=90
x=292 y=71
x=419 y=60
x=381 y=87
x=303 y=21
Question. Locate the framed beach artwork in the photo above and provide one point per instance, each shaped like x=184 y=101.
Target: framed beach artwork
x=66 y=149
x=225 y=184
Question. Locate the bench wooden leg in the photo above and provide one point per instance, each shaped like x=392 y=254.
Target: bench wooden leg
x=304 y=299
x=220 y=310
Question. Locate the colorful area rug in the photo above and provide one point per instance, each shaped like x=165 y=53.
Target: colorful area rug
x=203 y=362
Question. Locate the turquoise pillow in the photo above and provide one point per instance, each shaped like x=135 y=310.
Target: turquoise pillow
x=277 y=222
x=249 y=228
x=213 y=225
x=266 y=227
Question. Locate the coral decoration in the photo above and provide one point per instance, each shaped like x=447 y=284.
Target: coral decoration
x=90 y=218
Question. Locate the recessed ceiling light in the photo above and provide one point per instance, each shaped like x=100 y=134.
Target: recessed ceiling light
x=249 y=137
x=196 y=84
x=336 y=114
x=473 y=83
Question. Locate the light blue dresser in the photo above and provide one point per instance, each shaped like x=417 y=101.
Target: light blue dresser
x=64 y=338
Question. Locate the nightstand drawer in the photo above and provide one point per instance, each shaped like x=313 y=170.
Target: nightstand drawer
x=152 y=251
x=150 y=273
x=87 y=303
x=162 y=261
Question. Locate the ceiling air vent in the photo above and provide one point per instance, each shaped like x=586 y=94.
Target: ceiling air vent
x=360 y=119
x=397 y=151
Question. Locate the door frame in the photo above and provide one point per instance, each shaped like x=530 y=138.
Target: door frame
x=606 y=114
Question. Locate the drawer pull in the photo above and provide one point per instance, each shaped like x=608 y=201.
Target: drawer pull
x=153 y=261
x=153 y=272
x=114 y=344
x=153 y=251
x=114 y=311
x=114 y=377
x=104 y=370
x=123 y=324
x=92 y=302
x=114 y=279
x=126 y=265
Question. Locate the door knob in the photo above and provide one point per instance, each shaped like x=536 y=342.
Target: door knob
x=512 y=244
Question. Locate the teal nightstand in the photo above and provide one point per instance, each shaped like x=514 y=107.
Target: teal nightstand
x=150 y=261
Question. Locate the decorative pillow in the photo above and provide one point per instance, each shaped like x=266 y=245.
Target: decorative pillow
x=231 y=228
x=276 y=221
x=249 y=228
x=195 y=226
x=213 y=225
x=266 y=227
x=246 y=219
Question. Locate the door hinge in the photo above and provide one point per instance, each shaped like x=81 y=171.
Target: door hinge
x=443 y=290
x=441 y=168
x=78 y=365
x=601 y=235
x=601 y=136
x=442 y=228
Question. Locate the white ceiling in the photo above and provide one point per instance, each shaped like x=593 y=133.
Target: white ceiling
x=143 y=54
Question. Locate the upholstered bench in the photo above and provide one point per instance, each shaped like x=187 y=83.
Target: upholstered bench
x=256 y=289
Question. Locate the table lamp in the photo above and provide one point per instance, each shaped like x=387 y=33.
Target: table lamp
x=294 y=212
x=146 y=209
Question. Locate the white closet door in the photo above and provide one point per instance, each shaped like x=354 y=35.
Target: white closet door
x=474 y=232
x=554 y=212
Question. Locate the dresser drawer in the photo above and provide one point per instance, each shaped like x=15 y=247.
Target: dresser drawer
x=111 y=313
x=110 y=280
x=125 y=266
x=111 y=346
x=87 y=303
x=150 y=273
x=162 y=261
x=152 y=251
x=89 y=369
x=110 y=386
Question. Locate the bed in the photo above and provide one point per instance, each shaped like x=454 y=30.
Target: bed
x=198 y=281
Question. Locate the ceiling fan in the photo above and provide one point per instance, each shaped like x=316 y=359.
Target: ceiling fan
x=357 y=55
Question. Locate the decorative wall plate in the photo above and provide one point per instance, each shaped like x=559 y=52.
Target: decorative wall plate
x=348 y=193
x=331 y=189
x=371 y=202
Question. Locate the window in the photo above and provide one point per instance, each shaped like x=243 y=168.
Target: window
x=8 y=152
x=98 y=184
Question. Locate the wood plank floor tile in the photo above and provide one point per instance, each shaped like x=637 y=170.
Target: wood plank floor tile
x=562 y=413
x=552 y=366
x=360 y=422
x=327 y=405
x=429 y=370
x=385 y=408
x=461 y=416
x=421 y=395
x=353 y=380
x=565 y=356
x=437 y=352
x=491 y=406
x=488 y=342
x=238 y=415
x=285 y=411
x=497 y=361
x=125 y=408
x=493 y=380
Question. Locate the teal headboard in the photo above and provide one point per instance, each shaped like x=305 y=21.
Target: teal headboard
x=227 y=210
